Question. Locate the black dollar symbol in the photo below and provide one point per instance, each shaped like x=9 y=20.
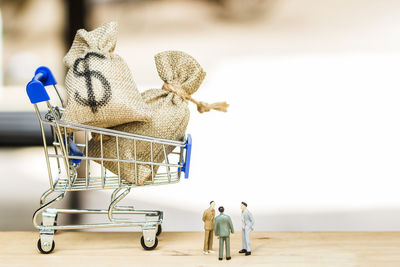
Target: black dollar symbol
x=88 y=74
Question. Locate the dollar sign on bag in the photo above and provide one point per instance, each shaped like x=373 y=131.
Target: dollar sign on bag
x=89 y=74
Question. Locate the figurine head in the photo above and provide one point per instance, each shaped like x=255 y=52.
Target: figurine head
x=243 y=206
x=212 y=204
x=221 y=209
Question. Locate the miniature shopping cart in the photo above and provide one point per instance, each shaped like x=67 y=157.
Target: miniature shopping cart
x=69 y=169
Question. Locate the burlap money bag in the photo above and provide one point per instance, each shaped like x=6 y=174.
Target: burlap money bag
x=182 y=76
x=100 y=88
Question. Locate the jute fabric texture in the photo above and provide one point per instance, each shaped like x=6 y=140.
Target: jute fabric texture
x=100 y=87
x=170 y=118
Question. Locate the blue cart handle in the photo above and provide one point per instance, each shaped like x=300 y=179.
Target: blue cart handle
x=186 y=164
x=35 y=88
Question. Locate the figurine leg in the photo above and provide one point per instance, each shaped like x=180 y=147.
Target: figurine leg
x=221 y=247
x=206 y=240
x=210 y=240
x=228 y=247
x=244 y=243
x=247 y=236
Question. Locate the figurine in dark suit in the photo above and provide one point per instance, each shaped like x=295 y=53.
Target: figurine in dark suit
x=223 y=228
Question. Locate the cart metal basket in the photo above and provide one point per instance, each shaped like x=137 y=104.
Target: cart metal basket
x=71 y=169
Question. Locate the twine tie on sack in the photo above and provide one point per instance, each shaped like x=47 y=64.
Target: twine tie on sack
x=201 y=106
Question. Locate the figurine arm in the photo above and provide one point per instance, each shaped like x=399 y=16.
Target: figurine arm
x=231 y=226
x=251 y=219
x=204 y=216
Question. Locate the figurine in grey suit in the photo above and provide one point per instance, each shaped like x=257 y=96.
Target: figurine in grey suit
x=247 y=226
x=223 y=228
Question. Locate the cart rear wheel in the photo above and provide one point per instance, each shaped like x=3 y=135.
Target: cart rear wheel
x=146 y=247
x=159 y=230
x=44 y=250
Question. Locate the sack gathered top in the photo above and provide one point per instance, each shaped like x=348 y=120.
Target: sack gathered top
x=100 y=88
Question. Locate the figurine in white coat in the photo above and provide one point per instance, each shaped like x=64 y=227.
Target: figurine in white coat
x=247 y=226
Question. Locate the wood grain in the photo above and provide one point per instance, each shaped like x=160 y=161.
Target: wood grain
x=185 y=249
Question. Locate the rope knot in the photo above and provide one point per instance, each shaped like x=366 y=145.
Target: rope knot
x=201 y=106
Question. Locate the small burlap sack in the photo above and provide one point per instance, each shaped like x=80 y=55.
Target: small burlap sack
x=182 y=76
x=100 y=88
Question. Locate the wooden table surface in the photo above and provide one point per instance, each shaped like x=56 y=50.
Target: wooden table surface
x=185 y=249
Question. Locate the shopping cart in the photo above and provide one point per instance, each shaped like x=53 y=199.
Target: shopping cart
x=69 y=169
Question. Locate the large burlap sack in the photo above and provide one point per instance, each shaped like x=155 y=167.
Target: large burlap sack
x=182 y=76
x=100 y=88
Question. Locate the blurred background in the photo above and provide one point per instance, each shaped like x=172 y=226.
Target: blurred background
x=310 y=141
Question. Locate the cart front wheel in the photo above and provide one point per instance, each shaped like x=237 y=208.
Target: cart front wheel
x=159 y=230
x=45 y=250
x=146 y=247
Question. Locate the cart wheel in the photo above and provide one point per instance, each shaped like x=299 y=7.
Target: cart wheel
x=39 y=245
x=159 y=230
x=146 y=247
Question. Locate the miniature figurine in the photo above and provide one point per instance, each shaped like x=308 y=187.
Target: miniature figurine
x=223 y=227
x=247 y=226
x=208 y=219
